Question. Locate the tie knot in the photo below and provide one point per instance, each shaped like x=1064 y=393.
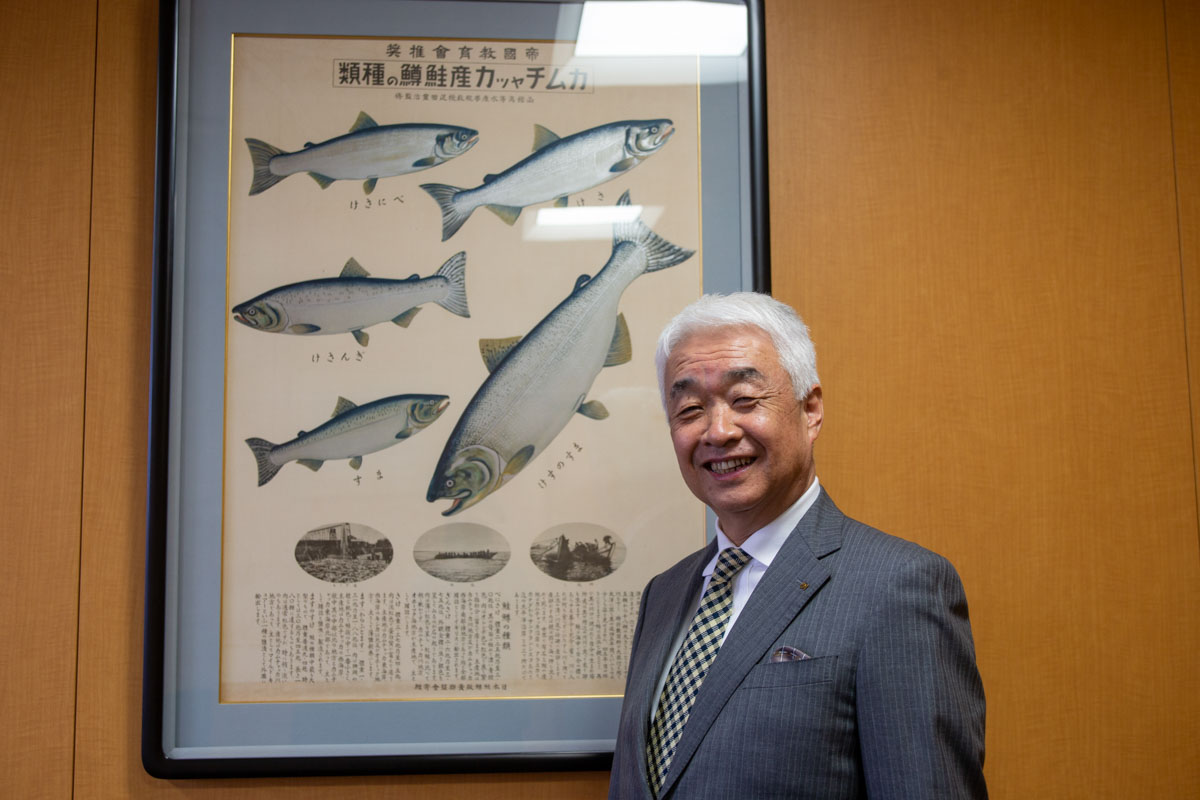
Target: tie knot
x=729 y=562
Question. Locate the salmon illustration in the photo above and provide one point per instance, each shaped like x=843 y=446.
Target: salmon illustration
x=536 y=383
x=370 y=151
x=557 y=168
x=353 y=432
x=354 y=300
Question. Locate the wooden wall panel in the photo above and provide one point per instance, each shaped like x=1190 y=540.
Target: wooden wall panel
x=46 y=53
x=973 y=206
x=1183 y=47
x=108 y=726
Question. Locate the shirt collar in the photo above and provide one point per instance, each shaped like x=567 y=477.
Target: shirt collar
x=764 y=543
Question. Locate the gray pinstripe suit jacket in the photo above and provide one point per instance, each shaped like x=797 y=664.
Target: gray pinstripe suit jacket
x=890 y=704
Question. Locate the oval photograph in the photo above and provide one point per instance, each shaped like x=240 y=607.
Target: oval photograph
x=578 y=551
x=343 y=552
x=461 y=552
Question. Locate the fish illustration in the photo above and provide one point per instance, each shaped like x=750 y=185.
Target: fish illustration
x=353 y=432
x=370 y=151
x=557 y=168
x=354 y=300
x=536 y=383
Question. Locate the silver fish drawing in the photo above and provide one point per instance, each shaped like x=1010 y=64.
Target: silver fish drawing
x=557 y=168
x=536 y=383
x=370 y=151
x=353 y=432
x=354 y=300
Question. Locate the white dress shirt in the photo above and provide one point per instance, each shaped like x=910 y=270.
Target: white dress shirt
x=762 y=546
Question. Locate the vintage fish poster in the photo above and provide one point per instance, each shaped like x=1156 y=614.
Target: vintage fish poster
x=446 y=470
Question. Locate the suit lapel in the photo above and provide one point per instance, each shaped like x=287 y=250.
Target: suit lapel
x=794 y=577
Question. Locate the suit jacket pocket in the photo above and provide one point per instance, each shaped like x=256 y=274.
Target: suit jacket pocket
x=791 y=673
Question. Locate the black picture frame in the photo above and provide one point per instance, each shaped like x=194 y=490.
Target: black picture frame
x=167 y=457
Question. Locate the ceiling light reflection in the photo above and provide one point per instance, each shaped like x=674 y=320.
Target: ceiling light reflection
x=661 y=28
x=586 y=222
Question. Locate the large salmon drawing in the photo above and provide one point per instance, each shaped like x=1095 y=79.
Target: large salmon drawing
x=536 y=383
x=557 y=168
x=354 y=300
x=370 y=151
x=353 y=432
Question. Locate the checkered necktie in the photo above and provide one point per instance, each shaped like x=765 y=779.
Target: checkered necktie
x=691 y=664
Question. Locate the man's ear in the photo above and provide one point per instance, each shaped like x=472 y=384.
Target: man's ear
x=814 y=412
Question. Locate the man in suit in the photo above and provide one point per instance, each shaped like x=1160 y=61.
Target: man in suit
x=801 y=654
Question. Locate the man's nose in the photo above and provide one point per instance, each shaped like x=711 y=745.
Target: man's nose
x=722 y=426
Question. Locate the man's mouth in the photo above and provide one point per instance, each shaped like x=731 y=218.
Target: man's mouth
x=728 y=465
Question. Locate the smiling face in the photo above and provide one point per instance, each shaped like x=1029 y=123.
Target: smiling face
x=743 y=441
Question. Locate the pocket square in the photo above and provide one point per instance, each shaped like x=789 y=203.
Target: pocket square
x=788 y=654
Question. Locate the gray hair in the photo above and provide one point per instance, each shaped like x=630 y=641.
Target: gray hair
x=778 y=320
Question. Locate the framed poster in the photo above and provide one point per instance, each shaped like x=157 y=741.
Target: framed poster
x=409 y=468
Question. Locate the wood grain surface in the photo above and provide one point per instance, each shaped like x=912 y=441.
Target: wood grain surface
x=46 y=96
x=1183 y=49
